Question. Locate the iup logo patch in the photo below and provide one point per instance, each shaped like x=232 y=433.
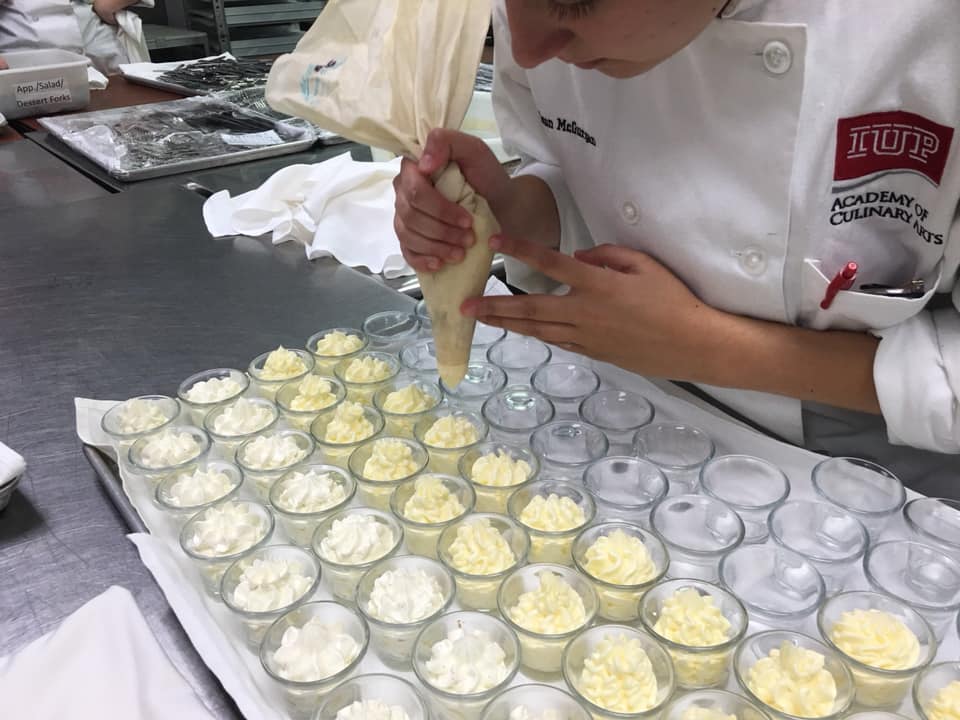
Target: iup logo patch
x=890 y=142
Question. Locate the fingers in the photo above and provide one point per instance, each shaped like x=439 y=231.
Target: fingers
x=553 y=333
x=419 y=194
x=536 y=308
x=552 y=263
x=446 y=146
x=614 y=257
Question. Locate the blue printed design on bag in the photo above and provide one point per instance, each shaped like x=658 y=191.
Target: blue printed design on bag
x=312 y=78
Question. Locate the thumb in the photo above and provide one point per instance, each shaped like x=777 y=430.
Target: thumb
x=614 y=257
x=437 y=152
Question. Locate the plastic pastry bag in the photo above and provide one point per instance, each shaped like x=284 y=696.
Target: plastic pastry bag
x=385 y=73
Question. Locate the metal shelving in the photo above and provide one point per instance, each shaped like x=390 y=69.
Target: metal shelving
x=253 y=27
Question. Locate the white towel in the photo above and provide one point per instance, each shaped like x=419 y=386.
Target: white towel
x=12 y=465
x=339 y=207
x=102 y=662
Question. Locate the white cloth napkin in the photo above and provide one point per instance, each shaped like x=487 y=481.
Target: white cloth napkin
x=102 y=662
x=96 y=79
x=12 y=465
x=339 y=207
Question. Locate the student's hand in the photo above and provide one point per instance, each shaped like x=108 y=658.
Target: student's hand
x=3 y=64
x=107 y=10
x=623 y=307
x=433 y=230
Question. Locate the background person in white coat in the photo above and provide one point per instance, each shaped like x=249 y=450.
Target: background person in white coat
x=106 y=31
x=695 y=172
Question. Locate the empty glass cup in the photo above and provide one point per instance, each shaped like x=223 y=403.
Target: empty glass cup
x=625 y=488
x=567 y=447
x=887 y=683
x=566 y=385
x=388 y=331
x=576 y=660
x=698 y=531
x=419 y=359
x=535 y=700
x=757 y=647
x=751 y=486
x=680 y=451
x=519 y=356
x=832 y=539
x=619 y=413
x=871 y=493
x=481 y=382
x=484 y=337
x=394 y=692
x=779 y=587
x=920 y=575
x=516 y=412
x=935 y=521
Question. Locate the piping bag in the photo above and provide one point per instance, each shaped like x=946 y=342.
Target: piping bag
x=385 y=73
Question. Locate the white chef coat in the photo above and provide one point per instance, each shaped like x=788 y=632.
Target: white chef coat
x=73 y=25
x=788 y=139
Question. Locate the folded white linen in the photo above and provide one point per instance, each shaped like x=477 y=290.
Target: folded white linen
x=339 y=207
x=102 y=662
x=12 y=465
x=96 y=79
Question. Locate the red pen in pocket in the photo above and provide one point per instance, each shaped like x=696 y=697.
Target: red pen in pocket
x=843 y=280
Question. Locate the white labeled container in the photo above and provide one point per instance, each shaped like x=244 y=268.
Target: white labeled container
x=43 y=82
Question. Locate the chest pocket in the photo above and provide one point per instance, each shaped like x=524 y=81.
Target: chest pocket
x=858 y=311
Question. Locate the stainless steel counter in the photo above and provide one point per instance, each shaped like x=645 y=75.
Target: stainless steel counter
x=30 y=177
x=113 y=297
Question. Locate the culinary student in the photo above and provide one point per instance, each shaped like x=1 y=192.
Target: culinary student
x=106 y=31
x=698 y=172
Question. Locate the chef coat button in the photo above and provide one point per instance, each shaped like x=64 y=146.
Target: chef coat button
x=754 y=261
x=777 y=57
x=630 y=213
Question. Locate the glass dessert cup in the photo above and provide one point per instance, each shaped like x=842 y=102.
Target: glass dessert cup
x=877 y=687
x=198 y=410
x=779 y=587
x=586 y=643
x=302 y=419
x=869 y=492
x=444 y=460
x=387 y=689
x=376 y=493
x=167 y=500
x=481 y=382
x=620 y=603
x=566 y=448
x=542 y=653
x=393 y=642
x=625 y=488
x=212 y=567
x=422 y=538
x=267 y=387
x=680 y=451
x=228 y=444
x=516 y=412
x=698 y=531
x=724 y=703
x=390 y=330
x=479 y=592
x=493 y=498
x=620 y=414
x=154 y=473
x=538 y=700
x=302 y=698
x=830 y=538
x=697 y=667
x=402 y=424
x=464 y=706
x=519 y=357
x=256 y=623
x=363 y=391
x=566 y=385
x=750 y=485
x=419 y=359
x=343 y=578
x=551 y=546
x=337 y=453
x=112 y=421
x=259 y=479
x=925 y=578
x=299 y=525
x=928 y=685
x=323 y=363
x=935 y=521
